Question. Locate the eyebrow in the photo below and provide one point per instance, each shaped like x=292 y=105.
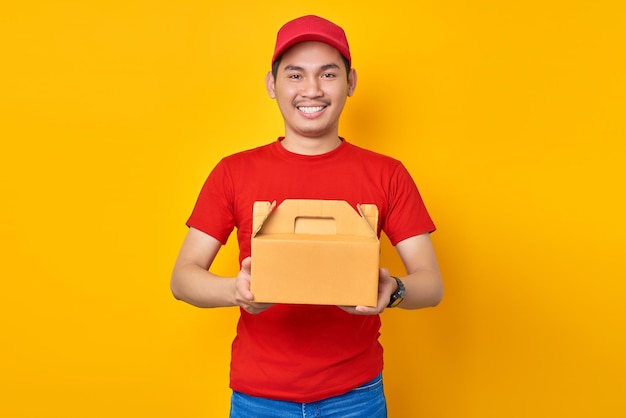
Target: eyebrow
x=291 y=67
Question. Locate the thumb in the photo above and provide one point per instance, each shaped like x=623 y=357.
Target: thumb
x=246 y=265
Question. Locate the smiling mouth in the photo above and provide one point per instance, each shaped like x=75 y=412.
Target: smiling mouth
x=310 y=109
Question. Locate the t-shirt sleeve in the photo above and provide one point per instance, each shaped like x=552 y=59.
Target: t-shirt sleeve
x=213 y=211
x=407 y=214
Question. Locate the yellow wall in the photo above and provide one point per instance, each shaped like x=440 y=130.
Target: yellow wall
x=510 y=116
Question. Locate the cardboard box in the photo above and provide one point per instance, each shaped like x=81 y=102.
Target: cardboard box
x=315 y=252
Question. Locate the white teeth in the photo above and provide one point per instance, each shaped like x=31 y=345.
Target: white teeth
x=310 y=109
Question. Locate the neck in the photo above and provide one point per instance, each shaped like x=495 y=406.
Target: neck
x=310 y=146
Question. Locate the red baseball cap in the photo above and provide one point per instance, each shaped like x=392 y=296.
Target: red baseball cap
x=311 y=28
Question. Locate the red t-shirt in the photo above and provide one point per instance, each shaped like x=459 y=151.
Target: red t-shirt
x=305 y=353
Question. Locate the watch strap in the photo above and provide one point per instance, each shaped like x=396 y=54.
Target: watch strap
x=398 y=296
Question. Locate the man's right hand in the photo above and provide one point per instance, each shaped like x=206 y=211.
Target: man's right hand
x=243 y=297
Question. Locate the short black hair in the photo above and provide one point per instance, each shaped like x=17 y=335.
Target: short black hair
x=279 y=59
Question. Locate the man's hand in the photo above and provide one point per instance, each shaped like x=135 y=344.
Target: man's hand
x=386 y=287
x=243 y=297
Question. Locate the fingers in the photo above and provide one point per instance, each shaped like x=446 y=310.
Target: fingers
x=256 y=308
x=363 y=310
x=385 y=288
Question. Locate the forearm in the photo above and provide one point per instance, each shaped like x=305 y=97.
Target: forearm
x=424 y=289
x=196 y=286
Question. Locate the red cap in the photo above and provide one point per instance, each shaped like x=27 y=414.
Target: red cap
x=311 y=28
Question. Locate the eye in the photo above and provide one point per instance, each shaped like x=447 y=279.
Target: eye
x=328 y=75
x=294 y=76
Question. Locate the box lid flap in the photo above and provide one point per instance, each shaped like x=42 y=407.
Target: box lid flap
x=260 y=212
x=315 y=217
x=370 y=213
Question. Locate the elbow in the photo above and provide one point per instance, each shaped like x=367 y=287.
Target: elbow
x=175 y=288
x=437 y=297
x=175 y=294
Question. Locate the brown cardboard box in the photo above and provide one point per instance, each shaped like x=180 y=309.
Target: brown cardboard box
x=315 y=252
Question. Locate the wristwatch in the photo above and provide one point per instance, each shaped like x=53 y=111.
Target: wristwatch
x=398 y=296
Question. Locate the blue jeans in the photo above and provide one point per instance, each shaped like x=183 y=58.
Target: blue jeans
x=367 y=401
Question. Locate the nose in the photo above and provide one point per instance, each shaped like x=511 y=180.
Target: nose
x=311 y=87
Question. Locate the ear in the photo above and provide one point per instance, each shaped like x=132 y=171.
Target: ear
x=351 y=82
x=270 y=85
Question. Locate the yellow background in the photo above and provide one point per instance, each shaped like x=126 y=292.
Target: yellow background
x=510 y=116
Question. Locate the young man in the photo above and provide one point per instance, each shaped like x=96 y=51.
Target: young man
x=296 y=360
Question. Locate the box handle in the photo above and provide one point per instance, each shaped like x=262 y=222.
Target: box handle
x=316 y=225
